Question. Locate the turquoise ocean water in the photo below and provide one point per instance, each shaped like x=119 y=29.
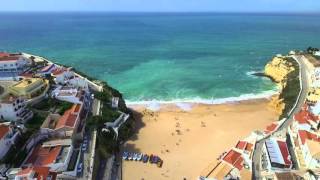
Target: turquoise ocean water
x=164 y=57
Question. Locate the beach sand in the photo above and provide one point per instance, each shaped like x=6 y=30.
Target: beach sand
x=188 y=141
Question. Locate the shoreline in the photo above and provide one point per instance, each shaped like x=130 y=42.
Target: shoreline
x=189 y=141
x=188 y=105
x=197 y=100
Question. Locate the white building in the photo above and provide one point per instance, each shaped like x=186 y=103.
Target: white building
x=72 y=95
x=62 y=75
x=47 y=70
x=310 y=146
x=8 y=136
x=278 y=154
x=12 y=62
x=14 y=109
x=78 y=82
x=53 y=154
x=315 y=77
x=68 y=94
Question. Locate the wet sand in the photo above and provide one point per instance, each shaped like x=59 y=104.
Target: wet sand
x=188 y=141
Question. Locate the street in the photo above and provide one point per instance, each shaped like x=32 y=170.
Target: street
x=256 y=160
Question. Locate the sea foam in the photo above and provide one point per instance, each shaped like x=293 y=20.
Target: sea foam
x=186 y=104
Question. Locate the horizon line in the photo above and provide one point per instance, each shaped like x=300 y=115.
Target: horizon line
x=176 y=12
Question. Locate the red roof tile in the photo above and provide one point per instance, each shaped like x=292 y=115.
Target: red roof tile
x=4 y=54
x=244 y=145
x=304 y=116
x=58 y=71
x=8 y=57
x=285 y=152
x=241 y=145
x=69 y=118
x=304 y=135
x=4 y=129
x=42 y=156
x=271 y=127
x=234 y=158
x=249 y=147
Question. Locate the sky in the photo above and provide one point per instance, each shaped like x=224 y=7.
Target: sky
x=306 y=6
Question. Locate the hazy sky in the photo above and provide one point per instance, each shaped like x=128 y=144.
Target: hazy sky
x=163 y=5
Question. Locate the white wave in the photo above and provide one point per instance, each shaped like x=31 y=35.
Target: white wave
x=251 y=73
x=186 y=104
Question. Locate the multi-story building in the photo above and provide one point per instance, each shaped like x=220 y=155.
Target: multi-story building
x=65 y=125
x=29 y=87
x=14 y=109
x=72 y=95
x=12 y=62
x=43 y=173
x=8 y=137
x=55 y=155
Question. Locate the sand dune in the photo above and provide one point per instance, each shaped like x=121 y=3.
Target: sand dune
x=188 y=141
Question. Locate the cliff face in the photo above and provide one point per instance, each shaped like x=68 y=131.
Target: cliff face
x=278 y=70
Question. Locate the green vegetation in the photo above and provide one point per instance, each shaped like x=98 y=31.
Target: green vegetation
x=62 y=106
x=312 y=50
x=291 y=91
x=33 y=125
x=54 y=104
x=15 y=156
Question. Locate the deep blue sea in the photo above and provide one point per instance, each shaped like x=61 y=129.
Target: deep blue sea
x=164 y=56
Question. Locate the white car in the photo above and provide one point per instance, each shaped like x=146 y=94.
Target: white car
x=80 y=167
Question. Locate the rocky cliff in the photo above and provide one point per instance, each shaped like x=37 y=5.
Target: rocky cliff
x=279 y=70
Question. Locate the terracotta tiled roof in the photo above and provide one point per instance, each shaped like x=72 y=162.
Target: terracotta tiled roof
x=4 y=129
x=241 y=145
x=271 y=127
x=47 y=68
x=249 y=147
x=4 y=54
x=304 y=135
x=42 y=156
x=40 y=173
x=244 y=145
x=304 y=116
x=58 y=71
x=69 y=118
x=234 y=158
x=8 y=57
x=284 y=152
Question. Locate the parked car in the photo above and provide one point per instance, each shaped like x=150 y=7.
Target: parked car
x=84 y=147
x=79 y=168
x=145 y=158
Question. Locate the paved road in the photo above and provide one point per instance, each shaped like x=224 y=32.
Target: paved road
x=256 y=160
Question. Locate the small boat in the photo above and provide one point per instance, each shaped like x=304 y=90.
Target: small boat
x=135 y=156
x=125 y=155
x=145 y=158
x=139 y=158
x=155 y=159
x=130 y=156
x=159 y=163
x=151 y=157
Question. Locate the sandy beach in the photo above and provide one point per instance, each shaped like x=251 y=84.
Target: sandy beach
x=188 y=141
